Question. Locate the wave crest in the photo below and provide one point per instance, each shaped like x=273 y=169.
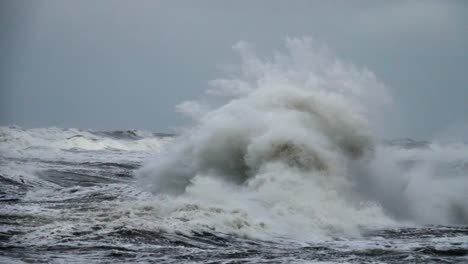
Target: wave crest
x=285 y=135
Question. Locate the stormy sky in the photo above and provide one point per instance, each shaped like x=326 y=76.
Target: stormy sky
x=126 y=64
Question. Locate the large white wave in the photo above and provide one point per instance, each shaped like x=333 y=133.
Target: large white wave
x=278 y=156
x=288 y=148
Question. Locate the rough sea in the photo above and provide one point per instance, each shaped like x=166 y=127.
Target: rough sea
x=70 y=196
x=284 y=161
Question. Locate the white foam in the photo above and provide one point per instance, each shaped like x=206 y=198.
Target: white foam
x=276 y=158
x=37 y=141
x=426 y=185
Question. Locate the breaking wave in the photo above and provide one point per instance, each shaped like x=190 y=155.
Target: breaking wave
x=16 y=140
x=291 y=152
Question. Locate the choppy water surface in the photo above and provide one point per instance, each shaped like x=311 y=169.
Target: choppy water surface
x=64 y=200
x=283 y=164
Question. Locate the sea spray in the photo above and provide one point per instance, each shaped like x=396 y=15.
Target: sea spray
x=280 y=150
x=290 y=149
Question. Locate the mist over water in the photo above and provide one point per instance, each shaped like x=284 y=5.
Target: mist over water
x=292 y=151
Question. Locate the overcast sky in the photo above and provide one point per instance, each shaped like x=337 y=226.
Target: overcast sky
x=126 y=64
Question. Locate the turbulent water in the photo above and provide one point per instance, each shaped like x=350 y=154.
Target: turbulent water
x=283 y=164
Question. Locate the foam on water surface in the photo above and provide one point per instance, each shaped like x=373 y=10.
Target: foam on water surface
x=286 y=166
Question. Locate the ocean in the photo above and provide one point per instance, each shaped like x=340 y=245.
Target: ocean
x=283 y=161
x=72 y=196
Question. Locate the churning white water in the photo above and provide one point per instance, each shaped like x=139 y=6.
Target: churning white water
x=284 y=163
x=291 y=152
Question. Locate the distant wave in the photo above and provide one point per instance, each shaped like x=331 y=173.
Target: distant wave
x=14 y=138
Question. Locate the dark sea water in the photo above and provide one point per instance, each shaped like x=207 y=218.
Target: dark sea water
x=71 y=196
